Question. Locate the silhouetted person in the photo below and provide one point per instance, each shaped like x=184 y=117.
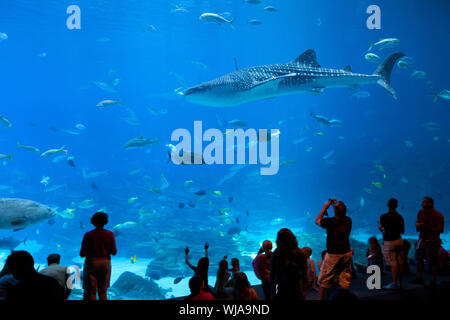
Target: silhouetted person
x=242 y=289
x=311 y=270
x=57 y=272
x=7 y=280
x=97 y=246
x=196 y=285
x=222 y=277
x=374 y=253
x=202 y=266
x=32 y=286
x=338 y=261
x=261 y=267
x=235 y=270
x=287 y=268
x=430 y=224
x=393 y=226
x=406 y=248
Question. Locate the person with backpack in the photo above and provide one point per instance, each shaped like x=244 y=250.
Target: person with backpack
x=288 y=268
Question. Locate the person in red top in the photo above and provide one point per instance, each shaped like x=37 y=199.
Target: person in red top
x=261 y=266
x=97 y=246
x=430 y=224
x=197 y=284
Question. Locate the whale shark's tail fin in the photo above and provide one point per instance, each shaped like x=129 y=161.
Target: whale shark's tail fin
x=384 y=70
x=231 y=24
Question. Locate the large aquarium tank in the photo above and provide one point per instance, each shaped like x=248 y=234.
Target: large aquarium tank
x=100 y=99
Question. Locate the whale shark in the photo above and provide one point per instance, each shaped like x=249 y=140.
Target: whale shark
x=301 y=75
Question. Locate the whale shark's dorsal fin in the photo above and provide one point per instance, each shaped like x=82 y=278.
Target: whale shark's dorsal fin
x=348 y=68
x=308 y=57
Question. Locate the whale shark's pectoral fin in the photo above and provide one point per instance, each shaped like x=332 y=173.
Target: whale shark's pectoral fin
x=272 y=83
x=18 y=222
x=316 y=91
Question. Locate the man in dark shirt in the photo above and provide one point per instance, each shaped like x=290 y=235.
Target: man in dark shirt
x=32 y=286
x=430 y=224
x=338 y=260
x=392 y=225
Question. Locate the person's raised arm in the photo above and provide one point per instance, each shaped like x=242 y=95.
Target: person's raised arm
x=206 y=249
x=323 y=212
x=261 y=250
x=186 y=258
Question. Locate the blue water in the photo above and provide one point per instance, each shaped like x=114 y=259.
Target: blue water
x=57 y=90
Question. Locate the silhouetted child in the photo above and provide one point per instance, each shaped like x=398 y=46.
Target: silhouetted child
x=374 y=253
x=261 y=267
x=407 y=260
x=311 y=281
x=235 y=270
x=222 y=277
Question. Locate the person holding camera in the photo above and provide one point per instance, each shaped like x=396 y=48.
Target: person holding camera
x=261 y=267
x=430 y=224
x=338 y=260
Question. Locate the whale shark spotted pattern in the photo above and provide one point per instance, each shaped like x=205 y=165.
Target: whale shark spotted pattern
x=302 y=74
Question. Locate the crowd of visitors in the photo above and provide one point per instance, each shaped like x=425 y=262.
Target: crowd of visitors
x=286 y=273
x=289 y=272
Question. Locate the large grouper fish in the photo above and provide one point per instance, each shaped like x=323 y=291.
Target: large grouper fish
x=303 y=74
x=17 y=214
